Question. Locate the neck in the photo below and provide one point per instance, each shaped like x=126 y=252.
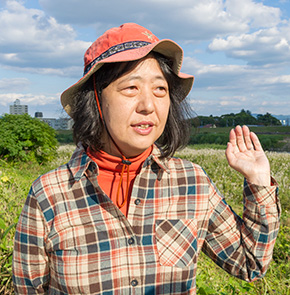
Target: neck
x=113 y=149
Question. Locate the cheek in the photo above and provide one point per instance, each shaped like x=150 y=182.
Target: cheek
x=164 y=111
x=115 y=115
x=109 y=111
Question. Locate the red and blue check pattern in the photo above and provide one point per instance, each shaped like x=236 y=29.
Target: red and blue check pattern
x=71 y=239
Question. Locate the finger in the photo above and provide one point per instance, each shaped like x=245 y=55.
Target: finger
x=233 y=140
x=230 y=152
x=256 y=142
x=240 y=139
x=232 y=137
x=248 y=140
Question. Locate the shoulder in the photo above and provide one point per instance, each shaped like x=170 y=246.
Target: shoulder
x=57 y=175
x=175 y=163
x=181 y=168
x=60 y=177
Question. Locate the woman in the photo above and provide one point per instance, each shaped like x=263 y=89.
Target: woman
x=123 y=216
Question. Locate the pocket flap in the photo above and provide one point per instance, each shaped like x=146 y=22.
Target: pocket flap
x=176 y=242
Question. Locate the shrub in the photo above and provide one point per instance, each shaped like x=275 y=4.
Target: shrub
x=23 y=138
x=64 y=136
x=209 y=138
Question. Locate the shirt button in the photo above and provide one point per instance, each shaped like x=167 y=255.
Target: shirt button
x=92 y=167
x=131 y=241
x=134 y=283
x=137 y=201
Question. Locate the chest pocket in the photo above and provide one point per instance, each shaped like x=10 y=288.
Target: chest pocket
x=176 y=242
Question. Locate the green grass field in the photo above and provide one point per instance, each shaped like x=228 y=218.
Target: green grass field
x=15 y=182
x=273 y=138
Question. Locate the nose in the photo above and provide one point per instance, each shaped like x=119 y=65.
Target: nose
x=145 y=102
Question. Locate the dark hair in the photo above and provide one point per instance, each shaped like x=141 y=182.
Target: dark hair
x=88 y=127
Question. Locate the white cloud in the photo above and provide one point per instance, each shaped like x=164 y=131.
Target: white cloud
x=213 y=77
x=237 y=78
x=221 y=89
x=71 y=72
x=32 y=39
x=181 y=20
x=283 y=80
x=222 y=105
x=29 y=98
x=14 y=84
x=207 y=105
x=255 y=14
x=265 y=46
x=233 y=101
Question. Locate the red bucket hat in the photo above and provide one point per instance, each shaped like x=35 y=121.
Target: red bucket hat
x=126 y=43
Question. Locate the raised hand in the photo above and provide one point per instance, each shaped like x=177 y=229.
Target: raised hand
x=245 y=154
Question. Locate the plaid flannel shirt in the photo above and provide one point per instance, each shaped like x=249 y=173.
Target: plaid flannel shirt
x=71 y=238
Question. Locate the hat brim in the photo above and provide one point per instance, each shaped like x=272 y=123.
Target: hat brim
x=166 y=47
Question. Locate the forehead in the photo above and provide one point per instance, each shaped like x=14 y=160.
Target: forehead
x=146 y=68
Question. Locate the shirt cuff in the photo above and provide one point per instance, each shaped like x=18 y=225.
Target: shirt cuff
x=266 y=195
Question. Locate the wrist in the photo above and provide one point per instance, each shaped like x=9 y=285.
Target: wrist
x=261 y=179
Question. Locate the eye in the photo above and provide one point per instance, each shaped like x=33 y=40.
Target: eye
x=130 y=90
x=160 y=91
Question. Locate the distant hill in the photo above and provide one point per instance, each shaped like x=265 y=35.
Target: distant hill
x=244 y=117
x=285 y=119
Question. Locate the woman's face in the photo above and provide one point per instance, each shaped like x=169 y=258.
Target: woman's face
x=135 y=109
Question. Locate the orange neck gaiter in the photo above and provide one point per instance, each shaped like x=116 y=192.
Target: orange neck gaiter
x=110 y=173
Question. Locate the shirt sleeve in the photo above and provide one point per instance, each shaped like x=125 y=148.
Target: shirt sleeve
x=30 y=263
x=244 y=246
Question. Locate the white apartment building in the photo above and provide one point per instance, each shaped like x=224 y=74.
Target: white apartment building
x=18 y=109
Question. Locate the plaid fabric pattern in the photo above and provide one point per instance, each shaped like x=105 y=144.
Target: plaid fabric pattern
x=71 y=239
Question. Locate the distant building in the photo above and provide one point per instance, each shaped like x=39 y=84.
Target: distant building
x=285 y=122
x=18 y=109
x=57 y=124
x=38 y=115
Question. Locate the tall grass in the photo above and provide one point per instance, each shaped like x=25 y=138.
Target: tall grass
x=16 y=179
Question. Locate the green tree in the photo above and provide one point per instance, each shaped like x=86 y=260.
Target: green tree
x=204 y=120
x=241 y=118
x=268 y=120
x=23 y=138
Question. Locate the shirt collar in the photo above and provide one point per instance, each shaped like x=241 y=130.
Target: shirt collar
x=156 y=157
x=80 y=162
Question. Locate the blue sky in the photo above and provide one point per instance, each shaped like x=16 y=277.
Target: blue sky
x=238 y=51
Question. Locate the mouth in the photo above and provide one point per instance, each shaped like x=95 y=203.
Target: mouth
x=143 y=126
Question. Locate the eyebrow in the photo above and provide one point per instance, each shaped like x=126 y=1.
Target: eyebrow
x=138 y=77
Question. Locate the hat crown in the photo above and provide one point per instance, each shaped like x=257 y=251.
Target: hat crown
x=128 y=32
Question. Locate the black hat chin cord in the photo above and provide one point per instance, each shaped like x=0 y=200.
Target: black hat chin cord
x=125 y=162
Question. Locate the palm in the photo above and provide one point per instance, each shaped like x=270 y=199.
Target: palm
x=245 y=154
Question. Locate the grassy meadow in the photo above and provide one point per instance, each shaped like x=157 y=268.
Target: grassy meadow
x=272 y=138
x=16 y=179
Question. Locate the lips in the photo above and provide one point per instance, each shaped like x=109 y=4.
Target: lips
x=143 y=128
